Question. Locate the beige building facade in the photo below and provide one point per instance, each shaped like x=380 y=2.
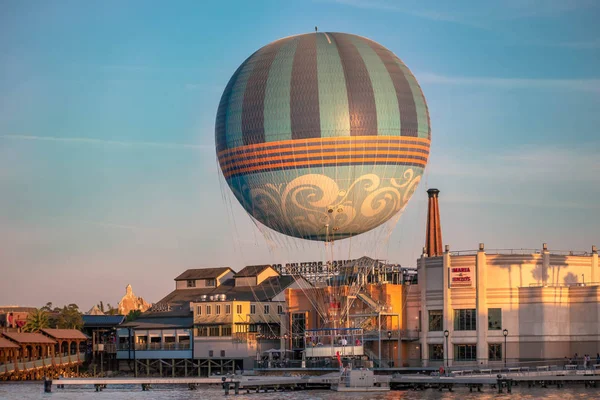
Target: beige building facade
x=543 y=304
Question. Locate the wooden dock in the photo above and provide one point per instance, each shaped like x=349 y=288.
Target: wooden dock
x=248 y=384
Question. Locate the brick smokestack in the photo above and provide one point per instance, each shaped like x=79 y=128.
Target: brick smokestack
x=433 y=236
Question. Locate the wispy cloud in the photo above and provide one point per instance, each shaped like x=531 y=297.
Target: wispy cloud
x=585 y=85
x=92 y=141
x=525 y=163
x=474 y=13
x=533 y=176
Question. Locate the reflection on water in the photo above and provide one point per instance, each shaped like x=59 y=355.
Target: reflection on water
x=30 y=390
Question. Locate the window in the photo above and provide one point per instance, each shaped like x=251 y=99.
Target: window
x=222 y=353
x=238 y=309
x=267 y=309
x=494 y=352
x=213 y=331
x=211 y=282
x=465 y=352
x=436 y=352
x=218 y=309
x=280 y=309
x=199 y=310
x=494 y=319
x=253 y=328
x=252 y=309
x=465 y=320
x=191 y=283
x=208 y=310
x=201 y=331
x=226 y=330
x=210 y=353
x=227 y=309
x=298 y=330
x=436 y=318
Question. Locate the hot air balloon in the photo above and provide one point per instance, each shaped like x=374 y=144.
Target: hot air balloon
x=322 y=136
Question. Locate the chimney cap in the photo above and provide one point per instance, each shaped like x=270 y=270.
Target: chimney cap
x=545 y=246
x=433 y=192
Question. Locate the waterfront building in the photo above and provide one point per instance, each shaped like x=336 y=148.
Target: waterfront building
x=102 y=330
x=495 y=306
x=215 y=321
x=371 y=332
x=240 y=319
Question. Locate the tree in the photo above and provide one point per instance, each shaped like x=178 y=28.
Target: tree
x=133 y=315
x=101 y=306
x=69 y=317
x=111 y=310
x=37 y=320
x=47 y=307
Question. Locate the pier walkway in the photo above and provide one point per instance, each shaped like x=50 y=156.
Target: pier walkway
x=40 y=366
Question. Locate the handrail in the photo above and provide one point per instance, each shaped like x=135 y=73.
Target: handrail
x=522 y=252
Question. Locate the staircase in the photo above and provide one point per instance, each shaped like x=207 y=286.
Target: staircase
x=376 y=361
x=369 y=302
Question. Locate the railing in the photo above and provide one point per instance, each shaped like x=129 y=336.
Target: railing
x=155 y=346
x=454 y=367
x=521 y=252
x=574 y=284
x=43 y=362
x=404 y=334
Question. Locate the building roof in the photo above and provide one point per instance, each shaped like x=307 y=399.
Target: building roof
x=65 y=334
x=251 y=270
x=7 y=309
x=160 y=323
x=203 y=273
x=102 y=321
x=179 y=299
x=94 y=311
x=28 y=338
x=7 y=344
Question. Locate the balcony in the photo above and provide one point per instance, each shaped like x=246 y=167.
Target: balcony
x=408 y=335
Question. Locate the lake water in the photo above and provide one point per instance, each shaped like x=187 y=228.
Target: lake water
x=34 y=390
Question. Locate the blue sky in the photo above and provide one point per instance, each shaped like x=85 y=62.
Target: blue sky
x=107 y=110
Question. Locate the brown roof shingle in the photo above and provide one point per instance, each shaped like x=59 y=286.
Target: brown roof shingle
x=203 y=273
x=251 y=270
x=7 y=344
x=28 y=338
x=65 y=334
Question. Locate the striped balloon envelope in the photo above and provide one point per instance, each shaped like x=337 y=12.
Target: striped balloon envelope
x=322 y=136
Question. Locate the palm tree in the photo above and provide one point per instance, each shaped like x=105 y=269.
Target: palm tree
x=36 y=320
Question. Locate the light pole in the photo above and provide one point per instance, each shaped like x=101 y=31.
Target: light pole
x=505 y=333
x=389 y=333
x=446 y=334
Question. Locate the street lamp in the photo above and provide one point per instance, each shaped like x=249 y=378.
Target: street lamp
x=389 y=333
x=505 y=333
x=446 y=334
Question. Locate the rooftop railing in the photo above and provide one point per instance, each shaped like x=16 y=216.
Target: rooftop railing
x=521 y=252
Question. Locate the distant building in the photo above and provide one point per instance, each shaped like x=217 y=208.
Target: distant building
x=130 y=302
x=95 y=311
x=14 y=317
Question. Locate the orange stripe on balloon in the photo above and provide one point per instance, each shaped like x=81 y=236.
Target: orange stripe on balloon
x=325 y=140
x=316 y=156
x=318 y=163
x=307 y=148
